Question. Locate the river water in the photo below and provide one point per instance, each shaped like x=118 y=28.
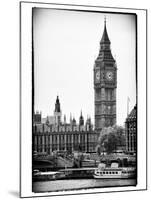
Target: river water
x=74 y=184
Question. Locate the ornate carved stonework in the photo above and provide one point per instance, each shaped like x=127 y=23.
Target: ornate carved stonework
x=105 y=83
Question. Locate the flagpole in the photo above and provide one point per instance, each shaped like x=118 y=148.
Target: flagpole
x=128 y=100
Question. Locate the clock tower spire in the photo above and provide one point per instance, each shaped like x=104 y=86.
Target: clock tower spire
x=105 y=83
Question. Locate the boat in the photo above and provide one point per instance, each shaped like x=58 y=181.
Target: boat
x=50 y=175
x=113 y=172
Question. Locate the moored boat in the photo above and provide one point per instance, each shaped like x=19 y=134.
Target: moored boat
x=103 y=172
x=51 y=175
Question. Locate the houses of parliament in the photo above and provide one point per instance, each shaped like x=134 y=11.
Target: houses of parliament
x=56 y=134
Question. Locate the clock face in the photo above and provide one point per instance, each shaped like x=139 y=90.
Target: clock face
x=97 y=75
x=109 y=76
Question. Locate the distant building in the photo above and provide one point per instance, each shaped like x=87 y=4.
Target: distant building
x=81 y=120
x=57 y=112
x=37 y=117
x=56 y=118
x=63 y=136
x=131 y=131
x=49 y=120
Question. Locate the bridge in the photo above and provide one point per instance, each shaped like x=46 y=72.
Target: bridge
x=118 y=157
x=47 y=163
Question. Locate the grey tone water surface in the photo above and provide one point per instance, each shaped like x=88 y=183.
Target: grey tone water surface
x=76 y=184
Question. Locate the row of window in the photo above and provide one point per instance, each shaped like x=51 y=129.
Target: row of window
x=55 y=139
x=106 y=172
x=40 y=148
x=64 y=129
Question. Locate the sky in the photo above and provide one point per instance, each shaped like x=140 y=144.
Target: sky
x=66 y=44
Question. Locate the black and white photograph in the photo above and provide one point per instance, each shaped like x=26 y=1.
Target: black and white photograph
x=85 y=108
x=84 y=100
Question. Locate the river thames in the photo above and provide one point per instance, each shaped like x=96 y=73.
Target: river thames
x=76 y=184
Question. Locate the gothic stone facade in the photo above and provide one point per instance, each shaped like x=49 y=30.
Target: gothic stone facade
x=105 y=83
x=63 y=138
x=131 y=131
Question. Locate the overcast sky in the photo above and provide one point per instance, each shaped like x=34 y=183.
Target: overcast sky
x=66 y=44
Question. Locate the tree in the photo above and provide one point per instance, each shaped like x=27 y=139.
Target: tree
x=98 y=150
x=110 y=138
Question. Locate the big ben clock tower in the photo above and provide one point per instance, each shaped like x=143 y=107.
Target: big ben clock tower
x=105 y=83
